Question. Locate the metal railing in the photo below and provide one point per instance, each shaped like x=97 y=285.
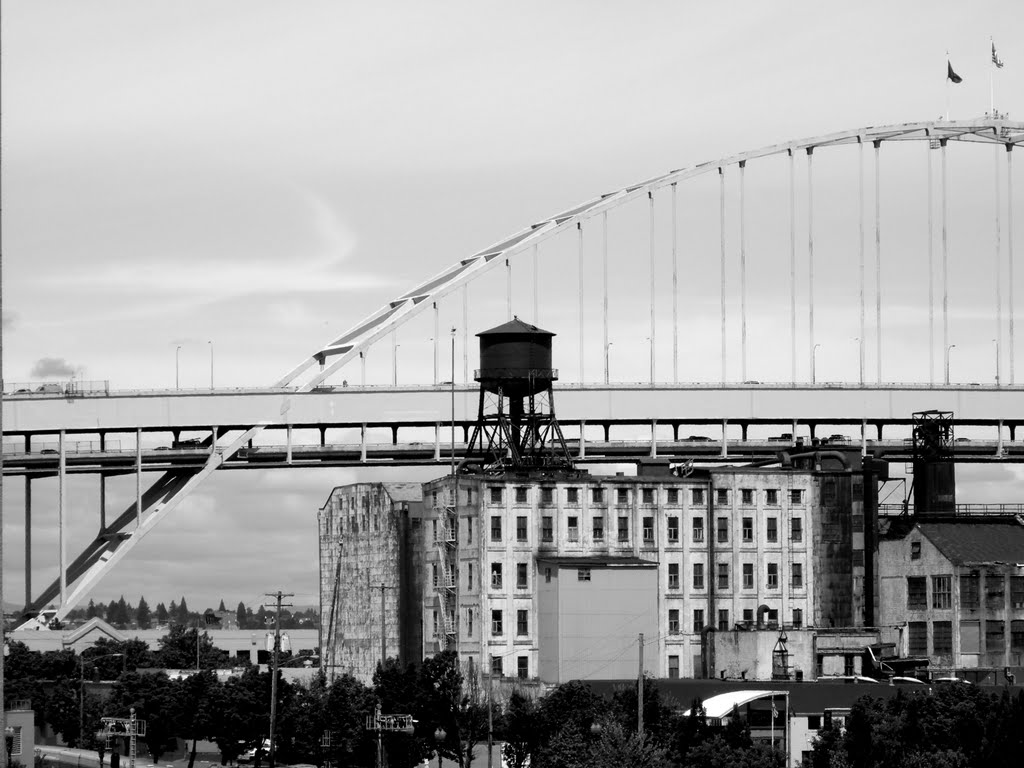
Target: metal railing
x=69 y=388
x=962 y=510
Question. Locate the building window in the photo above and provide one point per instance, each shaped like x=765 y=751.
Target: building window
x=1017 y=591
x=772 y=529
x=747 y=496
x=574 y=528
x=597 y=495
x=496 y=579
x=495 y=528
x=796 y=529
x=773 y=575
x=497 y=628
x=648 y=530
x=520 y=527
x=917 y=636
x=915 y=550
x=995 y=639
x=496 y=666
x=798 y=618
x=547 y=495
x=698 y=529
x=798 y=576
x=572 y=495
x=521 y=576
x=522 y=667
x=673 y=621
x=469 y=576
x=722 y=496
x=723 y=620
x=942 y=638
x=995 y=590
x=547 y=528
x=433 y=574
x=673 y=667
x=496 y=495
x=522 y=622
x=849 y=666
x=1017 y=636
x=942 y=592
x=748 y=575
x=748 y=529
x=648 y=495
x=469 y=622
x=582 y=574
x=796 y=496
x=673 y=530
x=698 y=575
x=599 y=528
x=436 y=633
x=623 y=529
x=434 y=523
x=622 y=496
x=698 y=619
x=723 y=529
x=917 y=593
x=673 y=575
x=520 y=494
x=673 y=495
x=697 y=497
x=547 y=575
x=723 y=575
x=969 y=589
x=771 y=497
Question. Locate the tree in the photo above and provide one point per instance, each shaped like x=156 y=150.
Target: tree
x=91 y=610
x=241 y=713
x=618 y=747
x=398 y=688
x=193 y=708
x=221 y=606
x=111 y=614
x=452 y=703
x=240 y=615
x=183 y=613
x=564 y=718
x=261 y=618
x=123 y=617
x=151 y=696
x=143 y=616
x=519 y=730
x=172 y=612
x=162 y=614
x=178 y=650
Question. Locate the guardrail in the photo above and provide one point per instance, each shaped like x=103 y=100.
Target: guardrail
x=962 y=510
x=69 y=388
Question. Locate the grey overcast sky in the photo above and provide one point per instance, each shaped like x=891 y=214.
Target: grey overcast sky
x=249 y=178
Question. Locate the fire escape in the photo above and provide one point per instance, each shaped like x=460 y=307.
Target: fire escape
x=447 y=545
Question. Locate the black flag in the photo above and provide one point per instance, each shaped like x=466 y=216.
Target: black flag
x=951 y=75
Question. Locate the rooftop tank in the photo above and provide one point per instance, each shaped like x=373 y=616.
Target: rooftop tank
x=515 y=359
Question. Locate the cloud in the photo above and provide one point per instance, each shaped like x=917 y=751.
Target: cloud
x=52 y=366
x=9 y=321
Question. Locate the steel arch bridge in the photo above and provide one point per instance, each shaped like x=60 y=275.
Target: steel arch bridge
x=117 y=537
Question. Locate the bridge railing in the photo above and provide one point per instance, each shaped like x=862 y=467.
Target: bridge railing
x=69 y=388
x=962 y=510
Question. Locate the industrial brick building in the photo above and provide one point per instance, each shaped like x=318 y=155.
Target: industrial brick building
x=956 y=587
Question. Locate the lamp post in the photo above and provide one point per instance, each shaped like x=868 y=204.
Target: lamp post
x=607 y=360
x=650 y=341
x=439 y=736
x=177 y=367
x=814 y=363
x=995 y=343
x=860 y=358
x=394 y=364
x=211 y=364
x=948 y=350
x=81 y=687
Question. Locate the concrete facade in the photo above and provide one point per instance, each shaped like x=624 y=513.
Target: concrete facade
x=367 y=576
x=956 y=589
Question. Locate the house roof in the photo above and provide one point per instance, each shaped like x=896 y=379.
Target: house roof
x=976 y=542
x=94 y=625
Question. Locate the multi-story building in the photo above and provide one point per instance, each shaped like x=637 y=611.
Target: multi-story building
x=956 y=586
x=370 y=571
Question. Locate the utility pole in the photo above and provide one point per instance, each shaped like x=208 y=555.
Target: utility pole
x=640 y=691
x=490 y=720
x=273 y=674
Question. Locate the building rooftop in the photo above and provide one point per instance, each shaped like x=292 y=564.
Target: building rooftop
x=974 y=541
x=404 y=491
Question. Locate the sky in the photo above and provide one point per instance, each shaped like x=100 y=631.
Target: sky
x=245 y=180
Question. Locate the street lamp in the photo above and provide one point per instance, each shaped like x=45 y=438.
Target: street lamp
x=81 y=687
x=211 y=364
x=177 y=367
x=394 y=364
x=860 y=357
x=650 y=341
x=439 y=737
x=995 y=343
x=607 y=359
x=948 y=350
x=814 y=364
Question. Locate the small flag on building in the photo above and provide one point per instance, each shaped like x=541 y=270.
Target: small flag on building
x=775 y=712
x=951 y=75
x=995 y=58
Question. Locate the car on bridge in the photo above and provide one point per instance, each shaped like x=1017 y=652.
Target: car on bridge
x=192 y=442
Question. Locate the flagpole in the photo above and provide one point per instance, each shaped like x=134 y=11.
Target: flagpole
x=947 y=86
x=992 y=79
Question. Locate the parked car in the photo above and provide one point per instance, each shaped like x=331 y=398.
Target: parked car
x=52 y=389
x=192 y=442
x=249 y=756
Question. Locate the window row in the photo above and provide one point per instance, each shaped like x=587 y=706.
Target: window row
x=522 y=666
x=598 y=495
x=597 y=529
x=498 y=622
x=722 y=574
x=917 y=592
x=675 y=627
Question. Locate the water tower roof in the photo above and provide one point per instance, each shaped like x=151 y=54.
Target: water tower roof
x=515 y=327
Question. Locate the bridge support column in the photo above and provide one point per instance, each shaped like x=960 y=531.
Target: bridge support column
x=725 y=440
x=675 y=431
x=999 y=440
x=583 y=440
x=362 y=443
x=437 y=441
x=62 y=543
x=323 y=437
x=607 y=432
x=743 y=432
x=811 y=425
x=863 y=437
x=879 y=427
x=288 y=444
x=138 y=477
x=214 y=434
x=394 y=435
x=1013 y=432
x=654 y=438
x=28 y=540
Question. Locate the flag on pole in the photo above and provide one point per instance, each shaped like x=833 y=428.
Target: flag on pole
x=995 y=58
x=951 y=75
x=775 y=712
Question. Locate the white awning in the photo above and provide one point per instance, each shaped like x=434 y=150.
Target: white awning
x=721 y=705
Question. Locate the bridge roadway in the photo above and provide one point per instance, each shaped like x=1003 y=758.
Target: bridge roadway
x=426 y=406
